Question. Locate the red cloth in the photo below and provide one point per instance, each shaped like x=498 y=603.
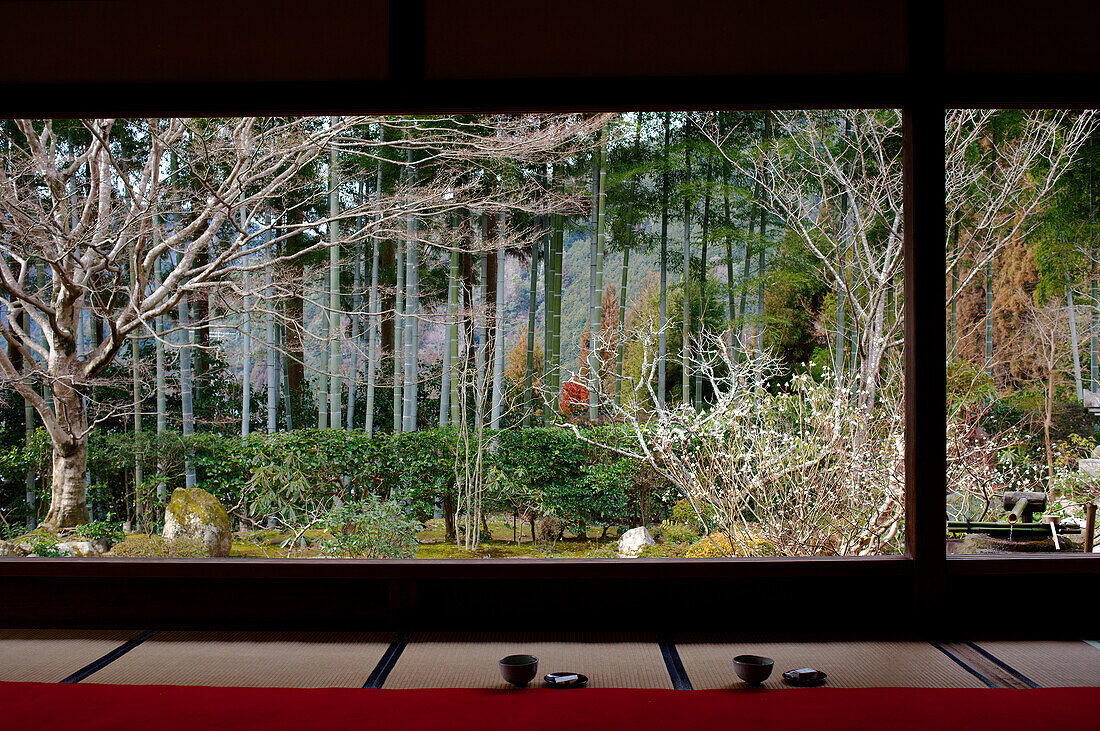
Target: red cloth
x=87 y=706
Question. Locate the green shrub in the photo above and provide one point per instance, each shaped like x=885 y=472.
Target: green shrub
x=683 y=513
x=101 y=530
x=670 y=532
x=369 y=528
x=139 y=545
x=42 y=542
x=298 y=475
x=424 y=462
x=599 y=496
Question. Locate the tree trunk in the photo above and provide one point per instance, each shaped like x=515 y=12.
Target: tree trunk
x=322 y=365
x=662 y=324
x=139 y=476
x=186 y=403
x=1048 y=420
x=842 y=290
x=454 y=306
x=746 y=270
x=703 y=271
x=200 y=336
x=620 y=345
x=482 y=316
x=410 y=320
x=685 y=350
x=445 y=375
x=556 y=283
x=1094 y=335
x=246 y=367
x=593 y=303
x=269 y=351
x=162 y=410
x=67 y=489
x=731 y=313
x=547 y=318
x=762 y=252
x=498 y=330
x=1074 y=344
x=989 y=318
x=532 y=306
x=398 y=338
x=356 y=307
x=335 y=332
x=595 y=365
x=295 y=308
x=621 y=339
x=953 y=325
x=874 y=347
x=450 y=533
x=28 y=434
x=1094 y=343
x=374 y=350
x=68 y=494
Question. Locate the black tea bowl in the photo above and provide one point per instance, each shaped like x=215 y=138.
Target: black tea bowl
x=519 y=670
x=753 y=669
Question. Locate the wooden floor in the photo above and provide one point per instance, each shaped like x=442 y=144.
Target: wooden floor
x=457 y=660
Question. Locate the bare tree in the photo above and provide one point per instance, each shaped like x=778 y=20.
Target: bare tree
x=99 y=206
x=775 y=472
x=835 y=179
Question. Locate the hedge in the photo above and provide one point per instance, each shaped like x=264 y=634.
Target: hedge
x=536 y=471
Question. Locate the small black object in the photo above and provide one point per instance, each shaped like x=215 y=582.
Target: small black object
x=805 y=678
x=753 y=669
x=519 y=670
x=565 y=680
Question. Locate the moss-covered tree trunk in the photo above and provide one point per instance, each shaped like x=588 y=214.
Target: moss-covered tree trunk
x=67 y=424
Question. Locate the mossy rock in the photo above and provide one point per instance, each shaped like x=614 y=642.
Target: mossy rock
x=139 y=545
x=718 y=545
x=195 y=513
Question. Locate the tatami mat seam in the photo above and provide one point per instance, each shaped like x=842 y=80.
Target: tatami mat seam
x=388 y=661
x=110 y=657
x=963 y=664
x=992 y=658
x=673 y=664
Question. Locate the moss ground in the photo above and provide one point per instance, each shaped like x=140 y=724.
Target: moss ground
x=498 y=543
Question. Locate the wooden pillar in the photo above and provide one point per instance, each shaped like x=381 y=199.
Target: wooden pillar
x=925 y=321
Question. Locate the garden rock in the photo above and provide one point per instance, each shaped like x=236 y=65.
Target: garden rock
x=1091 y=466
x=195 y=513
x=78 y=548
x=10 y=549
x=633 y=541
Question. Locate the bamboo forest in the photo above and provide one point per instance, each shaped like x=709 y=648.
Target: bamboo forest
x=644 y=334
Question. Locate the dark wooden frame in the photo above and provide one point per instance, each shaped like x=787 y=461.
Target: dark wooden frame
x=924 y=591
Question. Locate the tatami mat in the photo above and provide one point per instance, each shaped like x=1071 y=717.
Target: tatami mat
x=469 y=660
x=1050 y=664
x=255 y=659
x=49 y=656
x=709 y=663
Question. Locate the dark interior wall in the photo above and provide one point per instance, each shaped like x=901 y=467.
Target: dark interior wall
x=193 y=41
x=1021 y=37
x=229 y=41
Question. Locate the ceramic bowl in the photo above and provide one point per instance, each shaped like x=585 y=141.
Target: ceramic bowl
x=753 y=669
x=519 y=670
